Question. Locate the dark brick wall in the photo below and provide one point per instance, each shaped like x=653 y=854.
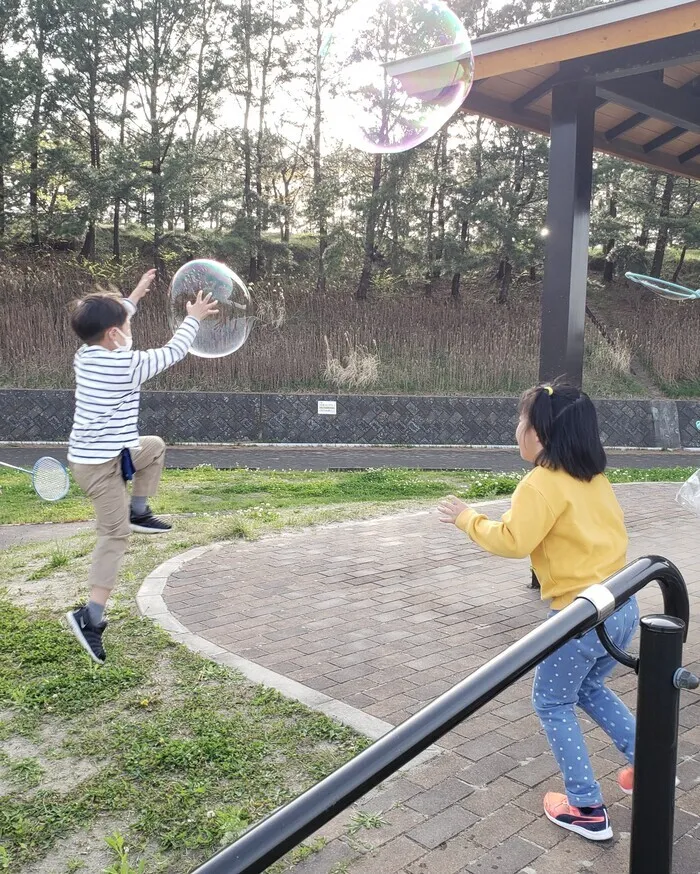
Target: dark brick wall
x=212 y=417
x=688 y=419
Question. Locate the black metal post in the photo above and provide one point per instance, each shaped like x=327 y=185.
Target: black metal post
x=656 y=749
x=568 y=213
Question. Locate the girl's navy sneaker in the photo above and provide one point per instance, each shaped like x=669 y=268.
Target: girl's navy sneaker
x=591 y=823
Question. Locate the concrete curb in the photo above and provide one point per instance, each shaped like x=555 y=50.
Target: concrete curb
x=151 y=603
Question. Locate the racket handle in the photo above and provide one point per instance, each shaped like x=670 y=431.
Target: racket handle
x=14 y=467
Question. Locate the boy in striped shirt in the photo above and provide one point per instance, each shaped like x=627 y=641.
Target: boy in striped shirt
x=104 y=449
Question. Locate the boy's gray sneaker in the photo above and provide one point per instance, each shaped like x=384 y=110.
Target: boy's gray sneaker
x=147 y=523
x=89 y=636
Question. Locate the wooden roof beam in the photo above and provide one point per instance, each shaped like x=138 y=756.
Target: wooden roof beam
x=499 y=110
x=544 y=87
x=625 y=125
x=675 y=132
x=647 y=95
x=667 y=137
x=689 y=155
x=648 y=57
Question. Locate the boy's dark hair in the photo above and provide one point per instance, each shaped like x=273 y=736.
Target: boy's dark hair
x=566 y=424
x=95 y=314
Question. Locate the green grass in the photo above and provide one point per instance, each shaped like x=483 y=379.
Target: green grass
x=188 y=764
x=255 y=493
x=259 y=495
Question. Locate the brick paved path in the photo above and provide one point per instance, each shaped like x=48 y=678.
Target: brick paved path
x=387 y=614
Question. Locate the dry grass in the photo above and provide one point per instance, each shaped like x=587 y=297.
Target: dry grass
x=393 y=343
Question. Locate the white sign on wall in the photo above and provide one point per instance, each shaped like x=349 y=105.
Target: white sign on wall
x=327 y=408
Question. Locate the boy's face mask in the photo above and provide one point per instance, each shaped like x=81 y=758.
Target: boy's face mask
x=127 y=341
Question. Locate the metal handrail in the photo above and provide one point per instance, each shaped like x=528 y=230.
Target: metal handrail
x=282 y=830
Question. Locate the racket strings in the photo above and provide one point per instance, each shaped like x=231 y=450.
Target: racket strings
x=50 y=479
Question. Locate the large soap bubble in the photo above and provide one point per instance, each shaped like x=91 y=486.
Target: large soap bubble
x=218 y=335
x=394 y=71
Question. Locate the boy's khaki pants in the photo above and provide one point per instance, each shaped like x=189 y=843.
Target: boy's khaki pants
x=104 y=485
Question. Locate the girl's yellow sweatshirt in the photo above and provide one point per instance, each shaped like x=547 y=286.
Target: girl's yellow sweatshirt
x=573 y=531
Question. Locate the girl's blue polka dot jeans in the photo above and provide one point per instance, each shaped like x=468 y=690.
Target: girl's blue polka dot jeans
x=575 y=675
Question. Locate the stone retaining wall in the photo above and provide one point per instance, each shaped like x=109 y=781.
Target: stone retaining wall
x=218 y=417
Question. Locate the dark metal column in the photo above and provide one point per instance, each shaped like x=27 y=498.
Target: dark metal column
x=656 y=749
x=568 y=212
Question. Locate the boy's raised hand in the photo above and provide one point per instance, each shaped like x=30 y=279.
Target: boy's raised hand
x=450 y=507
x=143 y=286
x=202 y=307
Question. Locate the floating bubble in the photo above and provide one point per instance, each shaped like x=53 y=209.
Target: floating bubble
x=394 y=71
x=218 y=335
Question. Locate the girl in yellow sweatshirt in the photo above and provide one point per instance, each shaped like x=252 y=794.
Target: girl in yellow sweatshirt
x=565 y=516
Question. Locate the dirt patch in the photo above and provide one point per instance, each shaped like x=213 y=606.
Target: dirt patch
x=60 y=773
x=87 y=846
x=58 y=588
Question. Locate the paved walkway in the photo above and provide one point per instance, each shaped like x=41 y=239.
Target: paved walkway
x=380 y=617
x=281 y=457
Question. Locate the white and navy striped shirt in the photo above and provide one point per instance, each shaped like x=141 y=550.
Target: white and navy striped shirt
x=108 y=392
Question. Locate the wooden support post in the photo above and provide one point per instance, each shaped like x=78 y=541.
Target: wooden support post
x=568 y=214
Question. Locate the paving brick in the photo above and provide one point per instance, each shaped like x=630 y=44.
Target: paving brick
x=508 y=858
x=394 y=791
x=437 y=829
x=686 y=856
x=432 y=801
x=390 y=858
x=398 y=821
x=329 y=858
x=535 y=771
x=436 y=770
x=483 y=801
x=486 y=770
x=572 y=855
x=449 y=857
x=501 y=824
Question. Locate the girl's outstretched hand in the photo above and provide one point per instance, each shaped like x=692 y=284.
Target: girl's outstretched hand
x=450 y=507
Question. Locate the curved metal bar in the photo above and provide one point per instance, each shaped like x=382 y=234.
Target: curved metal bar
x=629 y=661
x=640 y=573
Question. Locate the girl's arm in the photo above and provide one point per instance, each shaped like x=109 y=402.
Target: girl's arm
x=520 y=530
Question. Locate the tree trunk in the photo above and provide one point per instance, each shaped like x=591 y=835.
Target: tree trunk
x=321 y=206
x=2 y=201
x=440 y=250
x=681 y=262
x=430 y=243
x=34 y=163
x=285 y=215
x=609 y=266
x=116 y=245
x=370 y=232
x=248 y=207
x=662 y=237
x=457 y=276
x=89 y=246
x=644 y=235
x=155 y=144
x=258 y=226
x=88 y=250
x=506 y=274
